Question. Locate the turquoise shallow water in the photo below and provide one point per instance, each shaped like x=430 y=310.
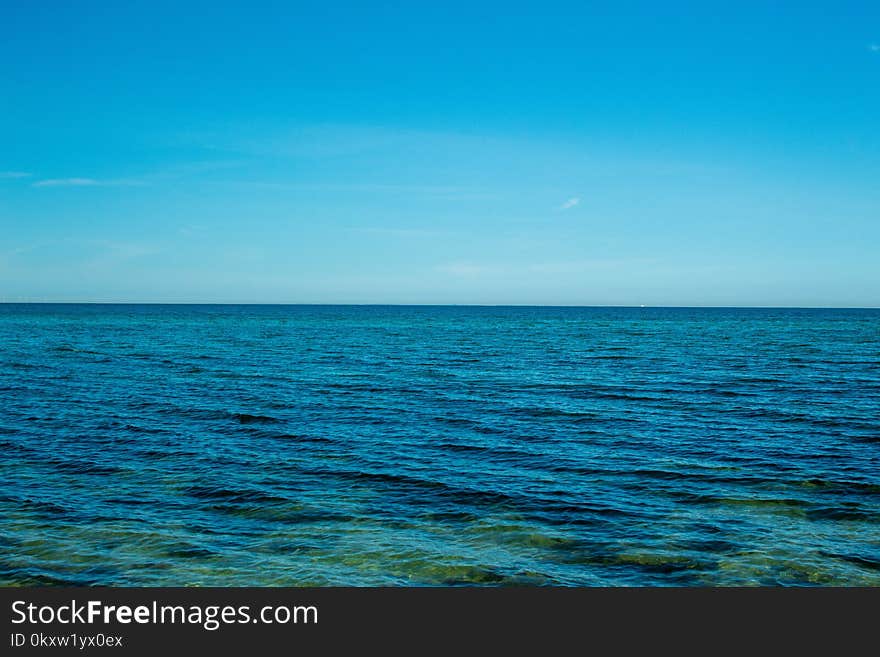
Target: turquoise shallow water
x=297 y=445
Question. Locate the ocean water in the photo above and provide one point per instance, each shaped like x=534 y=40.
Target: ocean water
x=352 y=445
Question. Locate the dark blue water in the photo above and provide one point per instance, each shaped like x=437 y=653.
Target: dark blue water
x=288 y=445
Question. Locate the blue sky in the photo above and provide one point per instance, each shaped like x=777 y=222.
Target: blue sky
x=617 y=153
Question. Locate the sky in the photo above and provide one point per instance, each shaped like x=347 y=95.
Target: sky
x=547 y=153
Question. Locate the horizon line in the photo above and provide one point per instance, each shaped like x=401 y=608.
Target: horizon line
x=424 y=305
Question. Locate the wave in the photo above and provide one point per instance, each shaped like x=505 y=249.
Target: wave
x=232 y=495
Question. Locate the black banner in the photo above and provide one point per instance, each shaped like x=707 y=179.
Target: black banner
x=269 y=620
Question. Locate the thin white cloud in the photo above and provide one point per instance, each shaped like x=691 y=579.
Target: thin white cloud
x=570 y=203
x=400 y=232
x=14 y=174
x=529 y=270
x=586 y=266
x=66 y=182
x=354 y=187
x=192 y=229
x=121 y=250
x=874 y=47
x=83 y=182
x=177 y=172
x=464 y=269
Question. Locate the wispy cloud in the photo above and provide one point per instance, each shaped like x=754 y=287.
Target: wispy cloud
x=116 y=251
x=192 y=229
x=66 y=182
x=569 y=267
x=179 y=171
x=18 y=250
x=874 y=47
x=13 y=174
x=465 y=269
x=401 y=232
x=356 y=187
x=528 y=271
x=570 y=203
x=83 y=182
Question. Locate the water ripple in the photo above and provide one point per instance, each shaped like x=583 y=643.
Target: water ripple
x=248 y=445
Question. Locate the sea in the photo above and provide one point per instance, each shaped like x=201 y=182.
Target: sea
x=231 y=445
